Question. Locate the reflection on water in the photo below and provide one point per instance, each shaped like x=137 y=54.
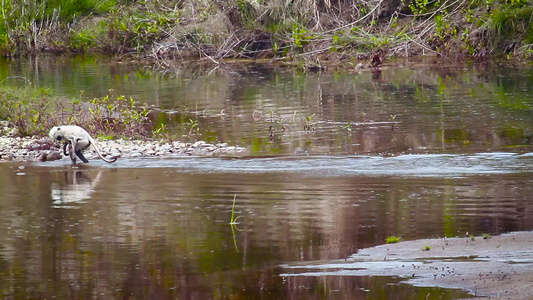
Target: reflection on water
x=159 y=229
x=164 y=232
x=77 y=188
x=431 y=108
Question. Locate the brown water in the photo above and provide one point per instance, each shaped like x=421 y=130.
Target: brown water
x=159 y=229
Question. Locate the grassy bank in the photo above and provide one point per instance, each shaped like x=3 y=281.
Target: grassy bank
x=34 y=111
x=308 y=30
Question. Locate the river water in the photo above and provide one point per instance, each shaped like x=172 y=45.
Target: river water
x=338 y=161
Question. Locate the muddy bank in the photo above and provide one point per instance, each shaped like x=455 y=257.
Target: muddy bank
x=497 y=267
x=31 y=148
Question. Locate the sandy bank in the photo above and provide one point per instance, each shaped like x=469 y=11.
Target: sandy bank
x=501 y=266
x=498 y=267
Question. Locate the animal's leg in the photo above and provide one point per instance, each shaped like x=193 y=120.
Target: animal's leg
x=65 y=147
x=80 y=155
x=72 y=151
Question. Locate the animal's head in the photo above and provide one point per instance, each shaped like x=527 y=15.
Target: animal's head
x=56 y=133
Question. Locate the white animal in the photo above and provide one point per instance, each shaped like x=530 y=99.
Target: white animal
x=77 y=139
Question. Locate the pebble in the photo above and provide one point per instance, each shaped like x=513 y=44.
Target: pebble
x=29 y=148
x=136 y=154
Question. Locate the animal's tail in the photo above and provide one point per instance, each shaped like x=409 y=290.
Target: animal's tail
x=95 y=147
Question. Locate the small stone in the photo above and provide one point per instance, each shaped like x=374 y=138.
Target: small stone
x=198 y=144
x=165 y=147
x=136 y=154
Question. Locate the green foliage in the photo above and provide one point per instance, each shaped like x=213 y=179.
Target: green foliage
x=89 y=36
x=119 y=117
x=485 y=236
x=123 y=26
x=440 y=27
x=426 y=248
x=507 y=22
x=32 y=25
x=193 y=126
x=300 y=36
x=247 y=13
x=35 y=111
x=393 y=239
x=32 y=111
x=122 y=29
x=419 y=7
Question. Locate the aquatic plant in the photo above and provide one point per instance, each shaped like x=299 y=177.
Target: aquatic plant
x=393 y=239
x=193 y=126
x=161 y=132
x=309 y=124
x=234 y=219
x=233 y=223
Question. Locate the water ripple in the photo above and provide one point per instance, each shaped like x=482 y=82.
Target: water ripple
x=419 y=165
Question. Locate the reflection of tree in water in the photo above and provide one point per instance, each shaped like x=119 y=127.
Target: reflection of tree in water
x=78 y=187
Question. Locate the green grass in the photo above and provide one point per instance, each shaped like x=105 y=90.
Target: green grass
x=34 y=111
x=393 y=239
x=123 y=26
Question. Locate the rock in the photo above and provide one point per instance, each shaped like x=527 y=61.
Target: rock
x=299 y=151
x=49 y=156
x=198 y=144
x=39 y=147
x=136 y=154
x=165 y=147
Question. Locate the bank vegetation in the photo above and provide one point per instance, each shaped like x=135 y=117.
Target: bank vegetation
x=311 y=31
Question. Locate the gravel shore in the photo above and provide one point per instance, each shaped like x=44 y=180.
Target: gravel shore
x=33 y=148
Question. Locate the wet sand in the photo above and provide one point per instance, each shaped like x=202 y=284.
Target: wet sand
x=497 y=267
